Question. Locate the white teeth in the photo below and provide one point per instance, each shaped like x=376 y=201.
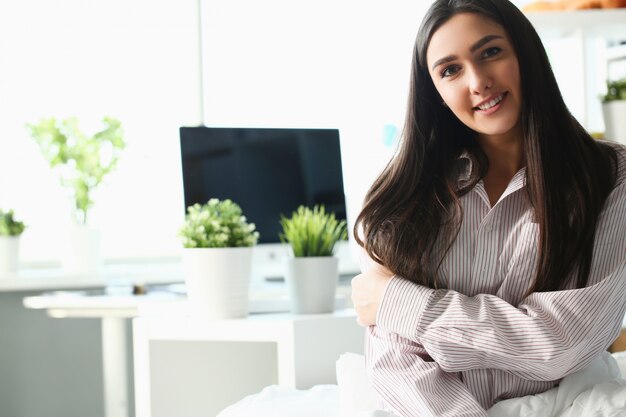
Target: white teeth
x=491 y=103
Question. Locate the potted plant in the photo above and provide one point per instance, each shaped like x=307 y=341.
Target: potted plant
x=312 y=274
x=614 y=109
x=82 y=162
x=217 y=259
x=10 y=231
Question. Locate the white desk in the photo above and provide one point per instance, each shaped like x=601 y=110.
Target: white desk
x=113 y=311
x=117 y=274
x=192 y=368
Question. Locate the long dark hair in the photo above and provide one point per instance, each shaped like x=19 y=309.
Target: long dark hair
x=414 y=205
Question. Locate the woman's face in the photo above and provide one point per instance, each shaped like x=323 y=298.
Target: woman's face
x=474 y=68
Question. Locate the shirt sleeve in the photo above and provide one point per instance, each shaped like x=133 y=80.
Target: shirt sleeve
x=411 y=383
x=547 y=336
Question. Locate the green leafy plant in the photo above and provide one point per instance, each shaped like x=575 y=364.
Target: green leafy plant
x=9 y=226
x=312 y=232
x=616 y=90
x=217 y=224
x=82 y=160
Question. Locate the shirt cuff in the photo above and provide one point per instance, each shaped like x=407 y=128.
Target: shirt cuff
x=402 y=306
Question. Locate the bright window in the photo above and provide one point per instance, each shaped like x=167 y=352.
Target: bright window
x=279 y=63
x=134 y=60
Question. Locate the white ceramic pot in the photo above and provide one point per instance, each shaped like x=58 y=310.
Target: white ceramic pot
x=81 y=252
x=9 y=255
x=614 y=113
x=311 y=284
x=218 y=281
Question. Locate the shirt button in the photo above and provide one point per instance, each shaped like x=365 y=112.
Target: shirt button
x=488 y=228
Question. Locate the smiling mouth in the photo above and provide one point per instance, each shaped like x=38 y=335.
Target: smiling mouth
x=491 y=103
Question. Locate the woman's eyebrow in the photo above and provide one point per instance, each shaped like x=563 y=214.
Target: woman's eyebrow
x=479 y=44
x=483 y=41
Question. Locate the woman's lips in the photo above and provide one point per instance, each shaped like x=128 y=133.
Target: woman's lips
x=492 y=109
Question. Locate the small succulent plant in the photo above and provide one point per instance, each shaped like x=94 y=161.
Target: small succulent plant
x=9 y=226
x=616 y=90
x=217 y=224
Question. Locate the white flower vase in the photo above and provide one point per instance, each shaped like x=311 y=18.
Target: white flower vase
x=614 y=113
x=81 y=252
x=9 y=255
x=312 y=283
x=218 y=281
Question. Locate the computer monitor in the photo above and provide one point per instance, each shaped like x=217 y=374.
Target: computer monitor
x=269 y=172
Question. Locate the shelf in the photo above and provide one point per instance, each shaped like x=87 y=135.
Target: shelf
x=598 y=22
x=616 y=53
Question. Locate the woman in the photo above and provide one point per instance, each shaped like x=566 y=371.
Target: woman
x=498 y=230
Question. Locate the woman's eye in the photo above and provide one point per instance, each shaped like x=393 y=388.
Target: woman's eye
x=449 y=71
x=489 y=52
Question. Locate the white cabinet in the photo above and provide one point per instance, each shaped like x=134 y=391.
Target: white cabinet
x=193 y=368
x=577 y=43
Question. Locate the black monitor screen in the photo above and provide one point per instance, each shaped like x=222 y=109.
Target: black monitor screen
x=268 y=172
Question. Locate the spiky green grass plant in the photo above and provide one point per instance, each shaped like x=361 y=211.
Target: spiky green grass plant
x=312 y=232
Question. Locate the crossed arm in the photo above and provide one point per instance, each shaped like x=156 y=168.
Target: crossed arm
x=423 y=338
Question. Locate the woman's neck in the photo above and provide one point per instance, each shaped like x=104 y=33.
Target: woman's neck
x=505 y=155
x=504 y=152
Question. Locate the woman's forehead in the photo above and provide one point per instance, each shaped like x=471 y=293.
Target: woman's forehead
x=459 y=33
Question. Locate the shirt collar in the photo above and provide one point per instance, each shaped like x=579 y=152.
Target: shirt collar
x=464 y=166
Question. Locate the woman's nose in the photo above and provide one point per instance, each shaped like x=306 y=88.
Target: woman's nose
x=479 y=81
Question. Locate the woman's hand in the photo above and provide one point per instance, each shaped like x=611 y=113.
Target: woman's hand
x=367 y=292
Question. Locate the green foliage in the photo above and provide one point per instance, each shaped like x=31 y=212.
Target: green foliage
x=82 y=160
x=217 y=224
x=312 y=232
x=9 y=226
x=616 y=90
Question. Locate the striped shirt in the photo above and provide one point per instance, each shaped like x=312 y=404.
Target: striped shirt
x=457 y=351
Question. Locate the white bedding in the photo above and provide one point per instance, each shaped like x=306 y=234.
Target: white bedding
x=597 y=391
